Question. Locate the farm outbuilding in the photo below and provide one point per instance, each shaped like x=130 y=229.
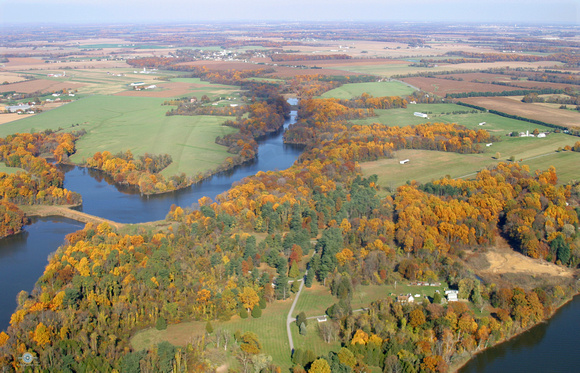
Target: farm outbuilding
x=419 y=114
x=404 y=161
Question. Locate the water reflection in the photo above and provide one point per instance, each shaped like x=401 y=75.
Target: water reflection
x=548 y=347
x=24 y=256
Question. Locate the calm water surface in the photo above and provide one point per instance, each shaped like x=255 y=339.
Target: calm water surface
x=24 y=257
x=549 y=347
x=553 y=346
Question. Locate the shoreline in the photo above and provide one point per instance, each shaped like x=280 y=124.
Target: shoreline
x=457 y=367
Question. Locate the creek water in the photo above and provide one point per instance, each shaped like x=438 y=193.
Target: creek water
x=23 y=257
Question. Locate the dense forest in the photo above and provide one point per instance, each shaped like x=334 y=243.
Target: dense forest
x=40 y=182
x=211 y=264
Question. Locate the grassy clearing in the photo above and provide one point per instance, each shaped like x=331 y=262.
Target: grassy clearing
x=376 y=89
x=427 y=165
x=10 y=170
x=314 y=301
x=312 y=340
x=270 y=328
x=137 y=123
x=177 y=335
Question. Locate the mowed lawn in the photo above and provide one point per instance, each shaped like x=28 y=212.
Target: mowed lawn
x=376 y=89
x=270 y=328
x=139 y=124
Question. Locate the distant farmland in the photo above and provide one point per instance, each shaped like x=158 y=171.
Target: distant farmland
x=568 y=118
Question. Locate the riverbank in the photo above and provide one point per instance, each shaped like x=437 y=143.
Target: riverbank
x=462 y=363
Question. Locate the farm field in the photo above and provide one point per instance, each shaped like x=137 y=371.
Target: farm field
x=40 y=85
x=567 y=118
x=444 y=113
x=183 y=87
x=428 y=165
x=115 y=124
x=389 y=70
x=566 y=164
x=376 y=89
x=442 y=87
x=87 y=82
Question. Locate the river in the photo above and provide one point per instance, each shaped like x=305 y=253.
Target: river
x=551 y=346
x=548 y=347
x=23 y=257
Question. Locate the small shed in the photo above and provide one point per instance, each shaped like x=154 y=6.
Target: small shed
x=419 y=114
x=404 y=161
x=489 y=144
x=322 y=318
x=482 y=123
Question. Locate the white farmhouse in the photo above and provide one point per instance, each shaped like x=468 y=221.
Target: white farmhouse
x=451 y=295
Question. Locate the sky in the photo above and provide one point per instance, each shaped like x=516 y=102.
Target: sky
x=167 y=11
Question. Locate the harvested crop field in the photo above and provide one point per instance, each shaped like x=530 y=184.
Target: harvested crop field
x=224 y=65
x=280 y=71
x=512 y=105
x=10 y=78
x=289 y=72
x=346 y=62
x=441 y=87
x=40 y=85
x=7 y=118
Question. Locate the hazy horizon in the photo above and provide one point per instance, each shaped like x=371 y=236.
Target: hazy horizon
x=72 y=12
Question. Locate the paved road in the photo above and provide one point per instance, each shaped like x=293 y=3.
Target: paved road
x=290 y=319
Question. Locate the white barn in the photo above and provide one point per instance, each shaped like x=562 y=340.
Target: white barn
x=404 y=161
x=419 y=114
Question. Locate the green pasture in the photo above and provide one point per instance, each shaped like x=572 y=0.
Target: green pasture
x=117 y=123
x=429 y=165
x=376 y=89
x=443 y=113
x=566 y=164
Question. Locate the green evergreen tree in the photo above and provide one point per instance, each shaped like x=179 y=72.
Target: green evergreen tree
x=256 y=312
x=161 y=323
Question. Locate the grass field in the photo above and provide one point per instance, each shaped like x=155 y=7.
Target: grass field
x=10 y=170
x=270 y=328
x=376 y=89
x=443 y=113
x=427 y=165
x=116 y=123
x=566 y=164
